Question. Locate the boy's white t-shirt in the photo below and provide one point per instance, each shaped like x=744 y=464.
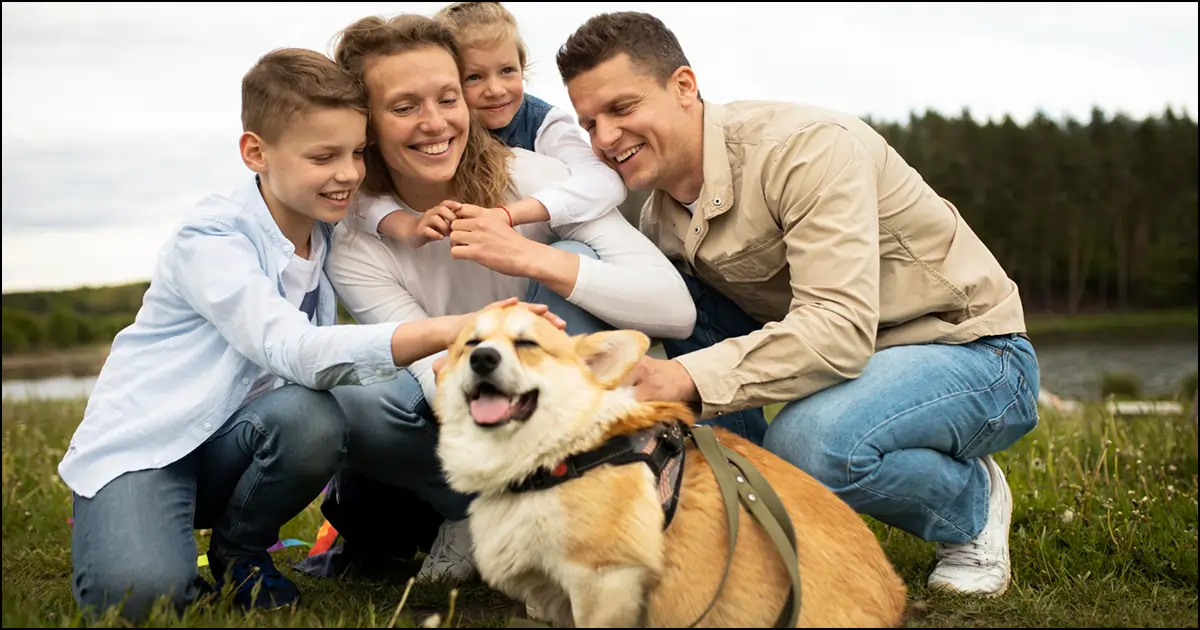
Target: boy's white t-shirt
x=301 y=278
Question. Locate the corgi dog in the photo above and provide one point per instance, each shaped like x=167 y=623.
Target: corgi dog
x=597 y=535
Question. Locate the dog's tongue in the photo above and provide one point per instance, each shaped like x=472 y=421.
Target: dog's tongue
x=490 y=409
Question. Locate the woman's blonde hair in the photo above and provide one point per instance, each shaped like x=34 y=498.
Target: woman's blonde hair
x=482 y=176
x=483 y=25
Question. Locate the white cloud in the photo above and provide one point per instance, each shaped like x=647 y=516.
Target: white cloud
x=118 y=116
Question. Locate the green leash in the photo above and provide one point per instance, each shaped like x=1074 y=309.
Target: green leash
x=740 y=481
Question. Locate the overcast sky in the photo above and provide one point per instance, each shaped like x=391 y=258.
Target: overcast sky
x=118 y=117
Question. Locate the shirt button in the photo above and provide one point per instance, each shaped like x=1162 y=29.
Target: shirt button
x=717 y=201
x=696 y=229
x=245 y=381
x=208 y=426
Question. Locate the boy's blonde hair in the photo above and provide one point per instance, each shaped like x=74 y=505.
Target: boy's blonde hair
x=287 y=82
x=482 y=175
x=483 y=25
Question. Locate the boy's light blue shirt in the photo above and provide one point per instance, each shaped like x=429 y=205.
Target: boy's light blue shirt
x=214 y=313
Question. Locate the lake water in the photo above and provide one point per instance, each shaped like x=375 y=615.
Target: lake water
x=1070 y=368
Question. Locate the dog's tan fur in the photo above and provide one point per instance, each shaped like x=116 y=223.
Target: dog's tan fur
x=592 y=552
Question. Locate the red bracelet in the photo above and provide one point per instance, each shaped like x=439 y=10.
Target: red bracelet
x=510 y=221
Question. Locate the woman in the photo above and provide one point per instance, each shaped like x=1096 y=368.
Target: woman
x=429 y=158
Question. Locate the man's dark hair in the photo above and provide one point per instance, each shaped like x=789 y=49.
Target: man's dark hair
x=648 y=42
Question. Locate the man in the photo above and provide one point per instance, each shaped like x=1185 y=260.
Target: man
x=828 y=276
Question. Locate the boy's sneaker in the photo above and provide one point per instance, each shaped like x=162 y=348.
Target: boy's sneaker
x=450 y=556
x=980 y=566
x=246 y=572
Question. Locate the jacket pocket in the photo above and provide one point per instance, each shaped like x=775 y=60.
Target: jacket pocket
x=756 y=263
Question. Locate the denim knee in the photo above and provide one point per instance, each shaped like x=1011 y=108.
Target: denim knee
x=393 y=438
x=307 y=428
x=135 y=586
x=812 y=446
x=387 y=415
x=823 y=435
x=575 y=247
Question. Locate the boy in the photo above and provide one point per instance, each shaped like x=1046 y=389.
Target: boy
x=213 y=409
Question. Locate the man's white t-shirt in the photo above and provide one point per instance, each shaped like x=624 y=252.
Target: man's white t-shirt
x=301 y=279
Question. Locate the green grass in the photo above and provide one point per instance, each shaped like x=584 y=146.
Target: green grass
x=1104 y=534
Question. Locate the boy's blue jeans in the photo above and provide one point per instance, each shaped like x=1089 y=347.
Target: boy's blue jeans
x=897 y=443
x=393 y=437
x=268 y=462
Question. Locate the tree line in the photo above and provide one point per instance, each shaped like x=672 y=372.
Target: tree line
x=56 y=320
x=1095 y=215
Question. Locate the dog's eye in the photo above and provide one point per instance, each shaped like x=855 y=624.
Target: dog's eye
x=525 y=343
x=472 y=342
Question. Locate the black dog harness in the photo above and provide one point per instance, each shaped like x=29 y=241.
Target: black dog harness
x=660 y=447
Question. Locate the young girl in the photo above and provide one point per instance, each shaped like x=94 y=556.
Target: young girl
x=495 y=59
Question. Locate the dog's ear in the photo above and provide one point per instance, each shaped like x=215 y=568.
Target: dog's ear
x=612 y=353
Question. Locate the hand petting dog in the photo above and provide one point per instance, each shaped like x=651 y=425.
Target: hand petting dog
x=660 y=380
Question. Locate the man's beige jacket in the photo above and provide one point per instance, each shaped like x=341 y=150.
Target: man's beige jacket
x=818 y=229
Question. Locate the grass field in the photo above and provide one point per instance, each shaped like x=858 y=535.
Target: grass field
x=1104 y=534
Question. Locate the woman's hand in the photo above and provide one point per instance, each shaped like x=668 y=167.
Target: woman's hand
x=488 y=239
x=538 y=309
x=456 y=323
x=472 y=211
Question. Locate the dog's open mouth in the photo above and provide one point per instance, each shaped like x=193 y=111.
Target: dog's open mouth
x=492 y=408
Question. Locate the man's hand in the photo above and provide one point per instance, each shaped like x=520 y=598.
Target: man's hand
x=658 y=380
x=489 y=240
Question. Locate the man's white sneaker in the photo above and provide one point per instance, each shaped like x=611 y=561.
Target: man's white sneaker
x=450 y=556
x=980 y=566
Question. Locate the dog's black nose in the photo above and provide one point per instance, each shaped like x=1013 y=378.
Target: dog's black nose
x=484 y=360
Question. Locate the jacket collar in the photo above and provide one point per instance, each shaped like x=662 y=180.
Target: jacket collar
x=716 y=194
x=254 y=203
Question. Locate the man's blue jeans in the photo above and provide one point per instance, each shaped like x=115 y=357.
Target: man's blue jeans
x=899 y=442
x=252 y=476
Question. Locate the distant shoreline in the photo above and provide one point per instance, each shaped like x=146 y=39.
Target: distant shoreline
x=1045 y=328
x=77 y=362
x=1052 y=323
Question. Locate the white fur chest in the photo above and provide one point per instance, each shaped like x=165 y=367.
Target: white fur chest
x=518 y=539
